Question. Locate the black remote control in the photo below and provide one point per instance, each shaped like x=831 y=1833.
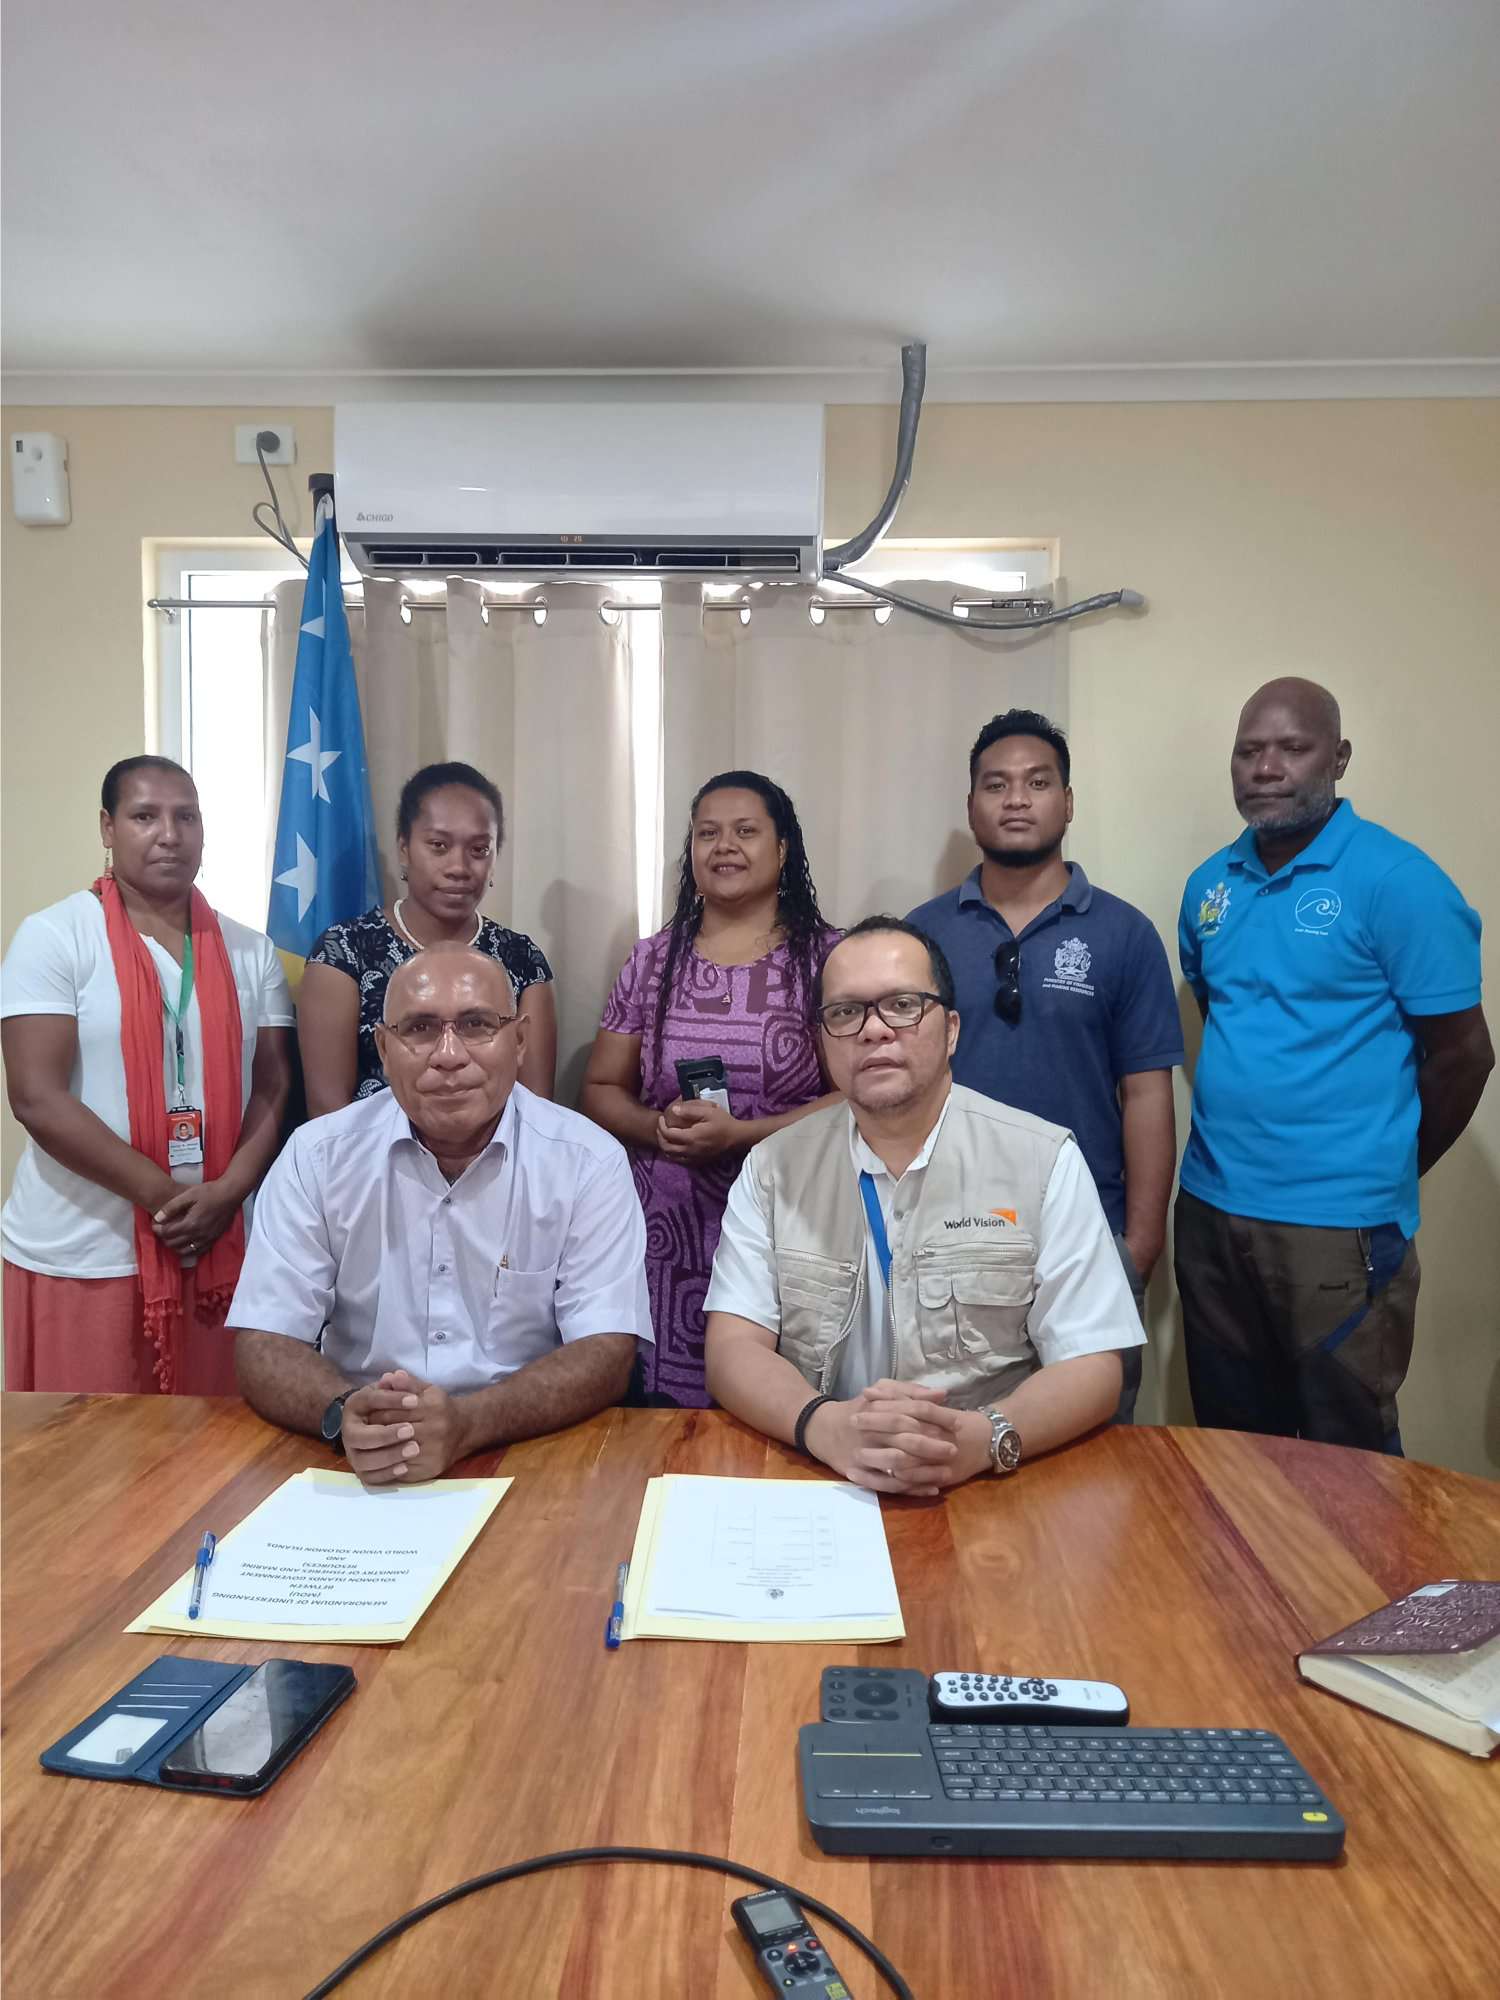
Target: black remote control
x=873 y=1694
x=790 y=1958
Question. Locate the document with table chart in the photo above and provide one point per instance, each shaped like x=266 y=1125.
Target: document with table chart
x=783 y=1550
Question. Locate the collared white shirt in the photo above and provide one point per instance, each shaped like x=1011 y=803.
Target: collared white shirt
x=1083 y=1303
x=360 y=1239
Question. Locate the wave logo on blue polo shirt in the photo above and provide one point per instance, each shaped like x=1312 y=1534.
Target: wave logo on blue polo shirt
x=1318 y=910
x=1213 y=909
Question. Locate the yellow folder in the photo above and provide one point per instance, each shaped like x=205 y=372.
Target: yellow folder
x=641 y=1623
x=169 y=1612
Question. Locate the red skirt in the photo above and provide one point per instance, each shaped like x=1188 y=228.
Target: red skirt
x=87 y=1336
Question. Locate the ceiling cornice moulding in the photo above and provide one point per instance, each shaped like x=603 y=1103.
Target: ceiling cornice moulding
x=1174 y=382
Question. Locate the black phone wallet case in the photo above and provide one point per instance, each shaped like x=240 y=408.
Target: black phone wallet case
x=135 y=1730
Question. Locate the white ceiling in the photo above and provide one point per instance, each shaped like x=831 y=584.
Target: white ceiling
x=797 y=184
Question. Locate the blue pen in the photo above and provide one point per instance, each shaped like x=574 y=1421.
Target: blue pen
x=201 y=1562
x=617 y=1611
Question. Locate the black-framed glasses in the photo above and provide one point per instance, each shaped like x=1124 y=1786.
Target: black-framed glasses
x=1008 y=973
x=897 y=1010
x=476 y=1029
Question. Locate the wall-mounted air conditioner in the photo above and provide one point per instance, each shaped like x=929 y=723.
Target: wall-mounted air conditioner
x=704 y=490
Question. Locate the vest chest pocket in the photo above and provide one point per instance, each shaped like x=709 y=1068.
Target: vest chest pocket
x=815 y=1297
x=979 y=1307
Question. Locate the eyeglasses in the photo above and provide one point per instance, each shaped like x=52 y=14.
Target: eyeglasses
x=1008 y=972
x=897 y=1010
x=421 y=1033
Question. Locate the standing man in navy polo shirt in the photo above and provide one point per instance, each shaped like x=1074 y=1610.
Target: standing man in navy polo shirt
x=1344 y=1050
x=1064 y=993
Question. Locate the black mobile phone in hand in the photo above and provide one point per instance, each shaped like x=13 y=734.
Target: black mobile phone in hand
x=250 y=1739
x=703 y=1078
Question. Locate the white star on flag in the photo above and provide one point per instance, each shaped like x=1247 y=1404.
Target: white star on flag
x=314 y=756
x=303 y=878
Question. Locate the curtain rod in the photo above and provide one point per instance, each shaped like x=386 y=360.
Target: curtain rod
x=174 y=604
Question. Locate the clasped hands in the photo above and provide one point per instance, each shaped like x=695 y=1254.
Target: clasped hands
x=695 y=1132
x=194 y=1217
x=400 y=1430
x=899 y=1437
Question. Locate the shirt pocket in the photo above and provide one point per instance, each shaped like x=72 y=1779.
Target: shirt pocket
x=814 y=1297
x=976 y=1303
x=522 y=1320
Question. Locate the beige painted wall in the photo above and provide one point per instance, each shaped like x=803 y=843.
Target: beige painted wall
x=1352 y=541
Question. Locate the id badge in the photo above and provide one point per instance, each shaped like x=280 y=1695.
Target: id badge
x=184 y=1136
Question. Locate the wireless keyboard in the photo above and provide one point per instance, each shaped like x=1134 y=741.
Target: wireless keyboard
x=971 y=1788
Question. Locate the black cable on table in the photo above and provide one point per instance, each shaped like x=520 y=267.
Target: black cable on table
x=671 y=1855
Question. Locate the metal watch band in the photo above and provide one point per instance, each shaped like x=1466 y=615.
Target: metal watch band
x=1005 y=1443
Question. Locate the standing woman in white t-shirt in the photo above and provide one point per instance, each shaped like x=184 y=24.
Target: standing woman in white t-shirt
x=147 y=1047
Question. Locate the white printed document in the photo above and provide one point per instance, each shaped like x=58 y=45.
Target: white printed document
x=761 y=1559
x=324 y=1559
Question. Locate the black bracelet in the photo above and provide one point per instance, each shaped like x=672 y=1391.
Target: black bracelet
x=799 y=1435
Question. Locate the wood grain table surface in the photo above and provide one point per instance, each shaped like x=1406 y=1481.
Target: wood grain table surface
x=1189 y=1566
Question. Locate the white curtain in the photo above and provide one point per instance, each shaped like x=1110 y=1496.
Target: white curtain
x=543 y=710
x=868 y=726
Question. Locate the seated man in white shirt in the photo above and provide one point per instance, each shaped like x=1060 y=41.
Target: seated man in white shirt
x=447 y=1265
x=935 y=1266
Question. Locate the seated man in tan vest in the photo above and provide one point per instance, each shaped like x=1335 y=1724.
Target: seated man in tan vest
x=920 y=1285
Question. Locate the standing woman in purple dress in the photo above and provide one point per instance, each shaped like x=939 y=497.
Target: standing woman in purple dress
x=730 y=976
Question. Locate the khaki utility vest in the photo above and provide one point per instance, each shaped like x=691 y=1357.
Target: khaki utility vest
x=964 y=1275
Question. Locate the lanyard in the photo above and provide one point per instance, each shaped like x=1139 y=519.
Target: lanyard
x=178 y=1014
x=877 y=1226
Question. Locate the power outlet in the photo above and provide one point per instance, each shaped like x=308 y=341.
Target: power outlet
x=245 y=435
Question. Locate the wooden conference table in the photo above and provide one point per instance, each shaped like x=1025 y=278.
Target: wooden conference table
x=1188 y=1566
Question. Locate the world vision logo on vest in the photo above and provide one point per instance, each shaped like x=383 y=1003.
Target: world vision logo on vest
x=1070 y=968
x=998 y=1218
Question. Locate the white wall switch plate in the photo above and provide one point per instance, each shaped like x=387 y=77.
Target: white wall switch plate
x=244 y=444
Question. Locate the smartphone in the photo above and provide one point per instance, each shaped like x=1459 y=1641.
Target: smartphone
x=250 y=1738
x=703 y=1078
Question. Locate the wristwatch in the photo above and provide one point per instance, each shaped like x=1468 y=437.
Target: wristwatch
x=1005 y=1443
x=331 y=1430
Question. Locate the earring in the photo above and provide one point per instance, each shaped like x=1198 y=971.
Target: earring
x=109 y=861
x=404 y=876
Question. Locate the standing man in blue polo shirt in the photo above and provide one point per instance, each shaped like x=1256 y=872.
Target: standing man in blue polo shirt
x=1344 y=1050
x=1064 y=993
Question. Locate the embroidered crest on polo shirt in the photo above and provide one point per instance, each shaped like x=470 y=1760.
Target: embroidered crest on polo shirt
x=1213 y=909
x=1070 y=968
x=1318 y=910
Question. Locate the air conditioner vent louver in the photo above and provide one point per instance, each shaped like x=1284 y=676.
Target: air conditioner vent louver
x=597 y=561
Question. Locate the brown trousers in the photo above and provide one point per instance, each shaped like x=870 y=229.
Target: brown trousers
x=1295 y=1331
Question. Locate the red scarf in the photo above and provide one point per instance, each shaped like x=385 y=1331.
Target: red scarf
x=165 y=1284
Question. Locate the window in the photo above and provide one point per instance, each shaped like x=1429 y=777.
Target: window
x=975 y=569
x=211 y=710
